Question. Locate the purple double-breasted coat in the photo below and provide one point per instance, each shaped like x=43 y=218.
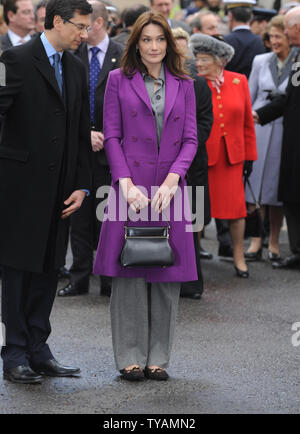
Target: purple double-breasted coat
x=132 y=151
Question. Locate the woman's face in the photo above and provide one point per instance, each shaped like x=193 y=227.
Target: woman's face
x=278 y=40
x=182 y=45
x=152 y=45
x=207 y=65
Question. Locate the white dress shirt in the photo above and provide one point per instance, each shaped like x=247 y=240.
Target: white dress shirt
x=16 y=39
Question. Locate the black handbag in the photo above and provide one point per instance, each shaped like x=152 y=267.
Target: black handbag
x=254 y=223
x=147 y=247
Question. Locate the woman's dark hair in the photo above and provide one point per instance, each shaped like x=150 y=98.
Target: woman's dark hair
x=66 y=10
x=132 y=62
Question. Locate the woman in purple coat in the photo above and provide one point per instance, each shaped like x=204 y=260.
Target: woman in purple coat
x=150 y=139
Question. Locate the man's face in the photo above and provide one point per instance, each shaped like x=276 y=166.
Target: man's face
x=73 y=32
x=163 y=6
x=292 y=31
x=23 y=19
x=209 y=25
x=40 y=21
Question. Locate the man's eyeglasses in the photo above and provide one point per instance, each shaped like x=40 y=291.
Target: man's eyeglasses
x=80 y=27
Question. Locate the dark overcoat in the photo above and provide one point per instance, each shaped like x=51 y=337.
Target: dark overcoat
x=44 y=154
x=289 y=106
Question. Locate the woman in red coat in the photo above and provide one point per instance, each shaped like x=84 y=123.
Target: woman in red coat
x=232 y=140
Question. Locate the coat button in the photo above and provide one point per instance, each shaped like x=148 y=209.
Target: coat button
x=51 y=167
x=54 y=140
x=220 y=106
x=136 y=163
x=134 y=138
x=222 y=125
x=176 y=143
x=176 y=118
x=218 y=97
x=225 y=134
x=134 y=113
x=221 y=115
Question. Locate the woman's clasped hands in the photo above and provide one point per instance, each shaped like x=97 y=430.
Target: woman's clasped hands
x=161 y=200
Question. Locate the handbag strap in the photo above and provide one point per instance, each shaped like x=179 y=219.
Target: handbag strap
x=166 y=220
x=257 y=205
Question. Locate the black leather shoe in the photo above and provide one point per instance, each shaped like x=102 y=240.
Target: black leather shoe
x=254 y=256
x=22 y=375
x=51 y=368
x=71 y=290
x=204 y=254
x=157 y=374
x=134 y=374
x=292 y=261
x=273 y=256
x=225 y=251
x=64 y=273
x=241 y=273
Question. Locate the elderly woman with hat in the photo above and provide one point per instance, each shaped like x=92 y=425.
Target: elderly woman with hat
x=232 y=140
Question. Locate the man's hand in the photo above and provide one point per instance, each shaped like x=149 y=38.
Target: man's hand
x=75 y=200
x=255 y=117
x=97 y=139
x=135 y=198
x=166 y=192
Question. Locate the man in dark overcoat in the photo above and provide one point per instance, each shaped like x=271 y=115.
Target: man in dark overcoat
x=44 y=177
x=100 y=55
x=289 y=181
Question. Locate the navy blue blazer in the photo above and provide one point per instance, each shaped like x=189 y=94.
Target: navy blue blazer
x=247 y=45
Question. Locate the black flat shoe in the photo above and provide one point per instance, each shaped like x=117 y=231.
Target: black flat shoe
x=290 y=262
x=157 y=374
x=51 y=368
x=273 y=256
x=134 y=374
x=254 y=256
x=71 y=290
x=22 y=375
x=204 y=254
x=241 y=273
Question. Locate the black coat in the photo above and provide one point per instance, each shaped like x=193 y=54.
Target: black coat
x=111 y=62
x=44 y=154
x=247 y=45
x=5 y=42
x=197 y=174
x=289 y=106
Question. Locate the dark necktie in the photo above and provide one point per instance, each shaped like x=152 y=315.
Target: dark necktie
x=56 y=61
x=94 y=77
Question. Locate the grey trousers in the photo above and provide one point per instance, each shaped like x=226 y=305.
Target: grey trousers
x=143 y=318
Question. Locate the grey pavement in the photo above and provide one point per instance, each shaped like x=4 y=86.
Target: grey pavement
x=233 y=351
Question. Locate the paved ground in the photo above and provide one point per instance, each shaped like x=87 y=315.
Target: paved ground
x=232 y=352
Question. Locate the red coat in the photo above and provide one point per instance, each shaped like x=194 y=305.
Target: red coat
x=232 y=141
x=233 y=120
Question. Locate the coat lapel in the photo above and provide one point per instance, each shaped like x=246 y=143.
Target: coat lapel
x=69 y=81
x=139 y=87
x=108 y=64
x=171 y=90
x=42 y=63
x=273 y=69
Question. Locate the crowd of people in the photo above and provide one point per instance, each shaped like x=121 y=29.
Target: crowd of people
x=203 y=93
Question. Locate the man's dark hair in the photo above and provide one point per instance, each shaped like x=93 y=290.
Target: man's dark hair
x=130 y=15
x=241 y=14
x=41 y=4
x=9 y=5
x=65 y=9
